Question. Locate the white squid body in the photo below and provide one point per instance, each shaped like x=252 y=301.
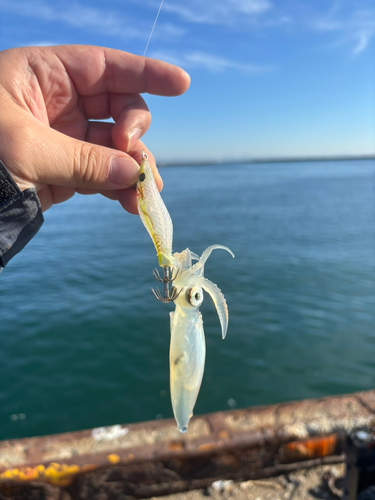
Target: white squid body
x=188 y=348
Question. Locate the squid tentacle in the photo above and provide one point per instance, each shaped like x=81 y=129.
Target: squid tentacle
x=203 y=258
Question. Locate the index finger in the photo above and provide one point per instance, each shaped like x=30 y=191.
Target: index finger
x=95 y=70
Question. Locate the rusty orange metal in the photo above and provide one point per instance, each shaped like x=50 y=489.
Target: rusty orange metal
x=151 y=458
x=308 y=449
x=55 y=473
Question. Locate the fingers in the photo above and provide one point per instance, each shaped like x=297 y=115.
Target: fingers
x=132 y=118
x=136 y=153
x=128 y=200
x=51 y=195
x=95 y=70
x=130 y=113
x=95 y=107
x=80 y=164
x=107 y=83
x=128 y=197
x=101 y=133
x=109 y=105
x=56 y=159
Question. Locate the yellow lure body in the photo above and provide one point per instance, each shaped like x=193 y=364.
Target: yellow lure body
x=154 y=214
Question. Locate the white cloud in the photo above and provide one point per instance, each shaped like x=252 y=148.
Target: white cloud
x=77 y=15
x=276 y=21
x=363 y=39
x=210 y=62
x=168 y=31
x=354 y=27
x=363 y=29
x=328 y=25
x=216 y=11
x=43 y=43
x=72 y=14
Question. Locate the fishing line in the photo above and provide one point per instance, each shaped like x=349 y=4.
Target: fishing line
x=152 y=30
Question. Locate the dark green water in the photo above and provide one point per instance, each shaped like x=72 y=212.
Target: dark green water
x=85 y=344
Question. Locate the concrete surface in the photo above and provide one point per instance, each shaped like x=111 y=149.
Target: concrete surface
x=304 y=484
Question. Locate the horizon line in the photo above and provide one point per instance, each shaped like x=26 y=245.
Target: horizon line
x=281 y=159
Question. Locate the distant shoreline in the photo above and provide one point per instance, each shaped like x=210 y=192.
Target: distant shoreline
x=294 y=159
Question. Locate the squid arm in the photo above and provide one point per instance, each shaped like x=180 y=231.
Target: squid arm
x=219 y=301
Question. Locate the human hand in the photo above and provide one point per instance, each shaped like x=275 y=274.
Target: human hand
x=50 y=98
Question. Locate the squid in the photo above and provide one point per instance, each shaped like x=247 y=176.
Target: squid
x=188 y=347
x=184 y=283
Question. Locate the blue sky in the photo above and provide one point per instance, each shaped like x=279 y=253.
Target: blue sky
x=269 y=77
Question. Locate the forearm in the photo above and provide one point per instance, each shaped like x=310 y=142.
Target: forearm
x=20 y=216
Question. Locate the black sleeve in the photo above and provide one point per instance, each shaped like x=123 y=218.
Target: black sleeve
x=20 y=216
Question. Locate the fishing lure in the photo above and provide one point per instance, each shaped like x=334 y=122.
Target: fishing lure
x=154 y=213
x=158 y=222
x=188 y=348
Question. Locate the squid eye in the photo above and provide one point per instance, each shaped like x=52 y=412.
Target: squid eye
x=195 y=295
x=142 y=177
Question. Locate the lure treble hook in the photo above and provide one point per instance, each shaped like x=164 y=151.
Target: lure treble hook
x=169 y=295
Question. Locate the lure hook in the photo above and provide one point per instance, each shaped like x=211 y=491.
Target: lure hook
x=165 y=278
x=168 y=296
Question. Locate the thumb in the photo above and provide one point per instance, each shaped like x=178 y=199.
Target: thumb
x=51 y=157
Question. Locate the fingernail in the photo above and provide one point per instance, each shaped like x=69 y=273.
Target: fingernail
x=123 y=171
x=133 y=137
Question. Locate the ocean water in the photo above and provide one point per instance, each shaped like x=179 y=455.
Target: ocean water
x=85 y=344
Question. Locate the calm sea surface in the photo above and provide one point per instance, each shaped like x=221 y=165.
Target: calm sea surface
x=85 y=344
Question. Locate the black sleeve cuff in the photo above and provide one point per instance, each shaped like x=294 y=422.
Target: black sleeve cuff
x=20 y=216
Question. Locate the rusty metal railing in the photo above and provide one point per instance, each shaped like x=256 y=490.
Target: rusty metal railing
x=152 y=458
